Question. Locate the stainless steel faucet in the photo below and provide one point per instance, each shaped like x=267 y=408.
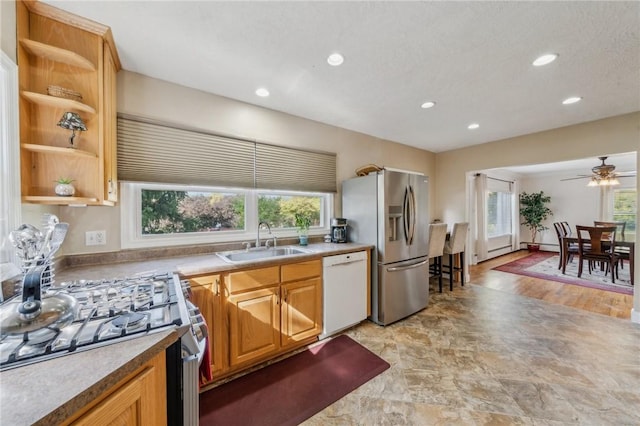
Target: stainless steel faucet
x=258 y=235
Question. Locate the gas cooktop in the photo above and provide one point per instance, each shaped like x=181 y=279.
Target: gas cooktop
x=85 y=314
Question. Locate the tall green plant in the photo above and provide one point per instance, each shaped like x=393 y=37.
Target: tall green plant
x=534 y=211
x=303 y=222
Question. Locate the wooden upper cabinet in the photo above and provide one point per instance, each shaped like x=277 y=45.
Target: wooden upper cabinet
x=66 y=64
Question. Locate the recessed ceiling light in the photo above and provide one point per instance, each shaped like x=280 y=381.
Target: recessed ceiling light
x=428 y=104
x=572 y=100
x=545 y=59
x=473 y=126
x=335 y=59
x=262 y=92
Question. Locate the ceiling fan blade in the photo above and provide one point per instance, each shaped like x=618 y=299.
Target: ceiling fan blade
x=577 y=177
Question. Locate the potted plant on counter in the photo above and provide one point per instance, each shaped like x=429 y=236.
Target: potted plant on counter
x=534 y=211
x=303 y=222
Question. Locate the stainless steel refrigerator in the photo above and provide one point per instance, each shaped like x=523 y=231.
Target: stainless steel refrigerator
x=390 y=210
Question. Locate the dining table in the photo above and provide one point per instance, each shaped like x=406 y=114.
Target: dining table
x=628 y=242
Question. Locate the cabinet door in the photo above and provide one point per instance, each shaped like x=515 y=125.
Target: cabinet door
x=254 y=329
x=301 y=310
x=140 y=401
x=206 y=295
x=110 y=130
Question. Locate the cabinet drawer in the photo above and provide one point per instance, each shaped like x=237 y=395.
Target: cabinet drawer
x=206 y=280
x=301 y=270
x=237 y=282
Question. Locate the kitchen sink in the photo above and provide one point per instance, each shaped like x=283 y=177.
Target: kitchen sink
x=261 y=253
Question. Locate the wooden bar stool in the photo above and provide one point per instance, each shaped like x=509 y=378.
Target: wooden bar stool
x=437 y=237
x=455 y=245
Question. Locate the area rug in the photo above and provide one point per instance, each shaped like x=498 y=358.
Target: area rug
x=294 y=389
x=544 y=265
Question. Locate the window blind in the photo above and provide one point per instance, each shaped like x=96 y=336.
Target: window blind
x=280 y=167
x=152 y=152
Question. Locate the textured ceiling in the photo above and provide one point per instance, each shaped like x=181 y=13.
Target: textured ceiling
x=472 y=58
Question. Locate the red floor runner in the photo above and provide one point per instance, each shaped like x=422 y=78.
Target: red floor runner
x=292 y=390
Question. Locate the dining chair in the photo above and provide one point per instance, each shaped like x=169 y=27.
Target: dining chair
x=557 y=226
x=566 y=228
x=622 y=252
x=435 y=247
x=455 y=246
x=596 y=244
x=572 y=248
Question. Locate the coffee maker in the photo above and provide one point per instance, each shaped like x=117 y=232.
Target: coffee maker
x=338 y=230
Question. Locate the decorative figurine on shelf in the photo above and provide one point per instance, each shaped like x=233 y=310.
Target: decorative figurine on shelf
x=73 y=122
x=64 y=187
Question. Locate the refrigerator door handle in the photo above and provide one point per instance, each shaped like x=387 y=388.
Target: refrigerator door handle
x=412 y=206
x=405 y=216
x=404 y=268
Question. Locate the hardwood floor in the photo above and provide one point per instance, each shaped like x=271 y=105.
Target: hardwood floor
x=588 y=299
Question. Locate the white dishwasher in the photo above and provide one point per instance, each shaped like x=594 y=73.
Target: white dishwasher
x=344 y=291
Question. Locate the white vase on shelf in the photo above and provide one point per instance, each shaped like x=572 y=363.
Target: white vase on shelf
x=65 y=190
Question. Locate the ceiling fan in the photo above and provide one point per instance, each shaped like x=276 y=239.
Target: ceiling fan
x=604 y=174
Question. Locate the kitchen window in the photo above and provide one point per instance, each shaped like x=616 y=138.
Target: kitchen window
x=159 y=214
x=625 y=206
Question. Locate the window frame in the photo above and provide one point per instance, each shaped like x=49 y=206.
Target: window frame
x=131 y=216
x=613 y=199
x=10 y=211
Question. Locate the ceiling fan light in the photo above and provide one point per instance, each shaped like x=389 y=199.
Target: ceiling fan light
x=593 y=182
x=614 y=181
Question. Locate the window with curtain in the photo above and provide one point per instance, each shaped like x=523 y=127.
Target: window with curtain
x=185 y=186
x=498 y=213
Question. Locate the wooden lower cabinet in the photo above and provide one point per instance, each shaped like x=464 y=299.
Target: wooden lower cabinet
x=254 y=329
x=301 y=312
x=206 y=294
x=139 y=399
x=257 y=314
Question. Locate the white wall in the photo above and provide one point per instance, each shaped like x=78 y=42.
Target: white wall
x=619 y=134
x=8 y=26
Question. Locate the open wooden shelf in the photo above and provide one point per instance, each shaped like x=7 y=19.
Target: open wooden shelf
x=59 y=50
x=57 y=150
x=56 y=102
x=57 y=54
x=52 y=199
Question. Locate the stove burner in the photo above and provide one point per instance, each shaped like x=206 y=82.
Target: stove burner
x=128 y=320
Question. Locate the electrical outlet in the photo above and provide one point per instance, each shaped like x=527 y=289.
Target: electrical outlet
x=95 y=238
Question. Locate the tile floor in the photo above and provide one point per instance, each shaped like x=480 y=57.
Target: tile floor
x=479 y=356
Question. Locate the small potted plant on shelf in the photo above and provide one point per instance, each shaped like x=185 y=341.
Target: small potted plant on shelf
x=534 y=211
x=64 y=188
x=303 y=222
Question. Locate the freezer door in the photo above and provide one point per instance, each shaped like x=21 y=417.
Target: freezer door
x=403 y=289
x=403 y=216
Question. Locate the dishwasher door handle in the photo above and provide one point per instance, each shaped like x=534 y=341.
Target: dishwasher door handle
x=346 y=263
x=404 y=268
